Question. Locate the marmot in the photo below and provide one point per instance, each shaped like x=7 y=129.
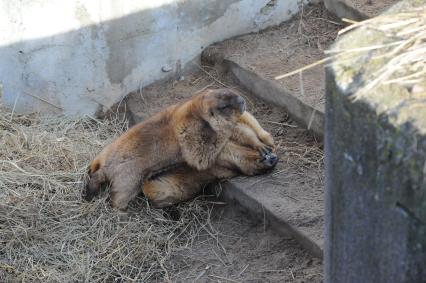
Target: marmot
x=249 y=152
x=192 y=133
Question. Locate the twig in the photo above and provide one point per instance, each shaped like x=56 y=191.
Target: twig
x=14 y=106
x=281 y=124
x=201 y=273
x=312 y=118
x=221 y=260
x=223 y=278
x=330 y=21
x=272 y=270
x=242 y=271
x=44 y=100
x=211 y=76
x=204 y=88
x=319 y=62
x=301 y=24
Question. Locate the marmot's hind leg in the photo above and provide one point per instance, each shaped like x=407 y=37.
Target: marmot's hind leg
x=172 y=188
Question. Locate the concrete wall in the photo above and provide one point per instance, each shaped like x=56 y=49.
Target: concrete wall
x=78 y=57
x=375 y=145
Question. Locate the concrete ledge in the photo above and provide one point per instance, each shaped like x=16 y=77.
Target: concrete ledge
x=272 y=93
x=358 y=9
x=344 y=9
x=247 y=196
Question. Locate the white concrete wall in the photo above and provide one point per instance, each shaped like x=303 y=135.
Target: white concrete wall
x=80 y=56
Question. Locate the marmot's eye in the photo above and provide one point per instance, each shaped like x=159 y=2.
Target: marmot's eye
x=211 y=113
x=223 y=107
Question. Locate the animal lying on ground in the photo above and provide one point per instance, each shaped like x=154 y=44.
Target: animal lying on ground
x=192 y=133
x=240 y=155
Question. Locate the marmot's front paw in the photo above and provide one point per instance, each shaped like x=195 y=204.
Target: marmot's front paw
x=267 y=139
x=264 y=149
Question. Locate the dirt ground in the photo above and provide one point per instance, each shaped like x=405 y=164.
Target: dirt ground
x=245 y=252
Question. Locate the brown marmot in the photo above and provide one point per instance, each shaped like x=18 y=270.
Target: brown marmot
x=249 y=152
x=193 y=133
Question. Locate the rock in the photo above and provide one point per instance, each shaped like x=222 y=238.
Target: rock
x=166 y=68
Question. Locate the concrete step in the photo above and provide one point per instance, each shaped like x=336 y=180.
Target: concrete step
x=358 y=9
x=285 y=203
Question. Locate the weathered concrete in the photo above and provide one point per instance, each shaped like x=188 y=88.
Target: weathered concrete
x=271 y=92
x=376 y=177
x=344 y=9
x=78 y=57
x=286 y=215
x=358 y=9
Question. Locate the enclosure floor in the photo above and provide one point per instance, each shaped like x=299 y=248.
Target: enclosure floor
x=287 y=47
x=294 y=190
x=244 y=251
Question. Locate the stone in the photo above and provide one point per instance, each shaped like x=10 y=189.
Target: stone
x=166 y=68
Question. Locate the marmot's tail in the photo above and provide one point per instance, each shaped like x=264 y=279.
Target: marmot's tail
x=96 y=179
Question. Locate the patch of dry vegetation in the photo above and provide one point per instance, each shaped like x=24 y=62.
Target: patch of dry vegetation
x=404 y=51
x=48 y=234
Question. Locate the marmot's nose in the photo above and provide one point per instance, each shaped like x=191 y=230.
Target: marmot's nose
x=270 y=159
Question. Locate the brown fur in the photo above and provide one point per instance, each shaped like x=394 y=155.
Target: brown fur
x=244 y=153
x=193 y=132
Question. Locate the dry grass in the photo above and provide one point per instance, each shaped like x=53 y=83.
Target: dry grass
x=48 y=234
x=404 y=51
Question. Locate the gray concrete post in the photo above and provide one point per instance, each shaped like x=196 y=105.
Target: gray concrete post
x=375 y=171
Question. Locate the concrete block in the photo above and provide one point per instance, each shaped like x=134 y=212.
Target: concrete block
x=81 y=57
x=375 y=170
x=267 y=202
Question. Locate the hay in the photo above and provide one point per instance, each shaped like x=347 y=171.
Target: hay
x=48 y=234
x=404 y=51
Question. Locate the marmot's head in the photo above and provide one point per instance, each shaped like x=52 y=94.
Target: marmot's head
x=221 y=108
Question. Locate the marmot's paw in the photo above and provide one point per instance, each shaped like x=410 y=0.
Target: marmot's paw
x=264 y=149
x=267 y=139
